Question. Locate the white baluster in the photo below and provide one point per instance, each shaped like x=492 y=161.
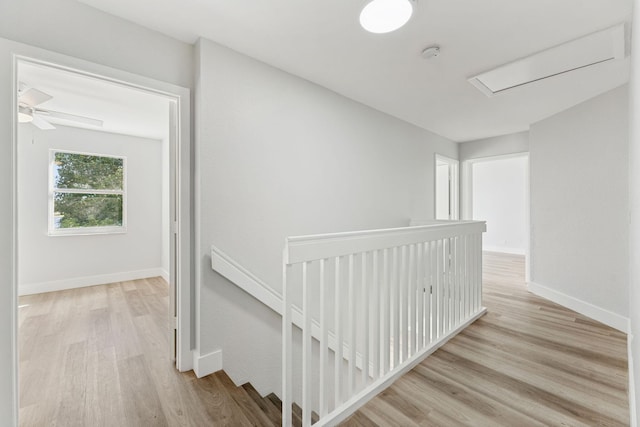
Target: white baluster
x=420 y=271
x=450 y=310
x=287 y=353
x=428 y=323
x=479 y=261
x=376 y=291
x=324 y=342
x=467 y=281
x=411 y=302
x=456 y=281
x=352 y=329
x=385 y=347
x=464 y=286
x=474 y=272
x=445 y=286
x=440 y=286
x=395 y=309
x=452 y=283
x=338 y=359
x=365 y=301
x=471 y=273
x=404 y=279
x=306 y=349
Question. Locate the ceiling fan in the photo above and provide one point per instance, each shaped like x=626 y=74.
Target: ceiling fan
x=29 y=112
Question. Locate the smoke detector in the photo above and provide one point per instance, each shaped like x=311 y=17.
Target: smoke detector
x=430 y=52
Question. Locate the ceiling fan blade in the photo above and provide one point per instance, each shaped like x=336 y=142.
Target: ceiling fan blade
x=70 y=117
x=41 y=123
x=32 y=97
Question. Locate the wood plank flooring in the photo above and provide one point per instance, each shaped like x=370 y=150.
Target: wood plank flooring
x=528 y=362
x=99 y=357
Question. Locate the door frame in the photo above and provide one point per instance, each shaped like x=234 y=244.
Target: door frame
x=180 y=182
x=466 y=198
x=454 y=192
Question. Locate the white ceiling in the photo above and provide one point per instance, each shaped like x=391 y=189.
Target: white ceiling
x=322 y=41
x=124 y=110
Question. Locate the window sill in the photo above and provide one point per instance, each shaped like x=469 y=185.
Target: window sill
x=89 y=231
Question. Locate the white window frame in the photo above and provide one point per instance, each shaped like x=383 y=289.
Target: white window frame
x=80 y=231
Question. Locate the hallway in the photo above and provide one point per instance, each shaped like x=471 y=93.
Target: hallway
x=100 y=356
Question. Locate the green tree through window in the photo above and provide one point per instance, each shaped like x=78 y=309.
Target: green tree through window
x=88 y=191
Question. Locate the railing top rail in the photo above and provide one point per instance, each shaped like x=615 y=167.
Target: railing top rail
x=314 y=247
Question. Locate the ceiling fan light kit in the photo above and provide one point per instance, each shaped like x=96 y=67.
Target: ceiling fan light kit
x=24 y=115
x=384 y=16
x=28 y=112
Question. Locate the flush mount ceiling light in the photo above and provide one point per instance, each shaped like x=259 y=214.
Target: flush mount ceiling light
x=384 y=16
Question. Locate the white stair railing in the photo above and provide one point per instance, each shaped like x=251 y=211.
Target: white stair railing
x=391 y=297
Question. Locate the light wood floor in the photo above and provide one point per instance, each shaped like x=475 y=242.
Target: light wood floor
x=99 y=357
x=528 y=362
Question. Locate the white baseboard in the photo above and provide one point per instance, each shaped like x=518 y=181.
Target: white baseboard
x=632 y=383
x=607 y=317
x=81 y=282
x=164 y=274
x=207 y=364
x=503 y=250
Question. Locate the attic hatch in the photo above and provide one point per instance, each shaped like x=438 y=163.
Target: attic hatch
x=596 y=48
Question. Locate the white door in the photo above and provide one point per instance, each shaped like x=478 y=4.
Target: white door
x=446 y=194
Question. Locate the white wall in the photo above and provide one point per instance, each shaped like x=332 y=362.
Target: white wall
x=499 y=198
x=56 y=262
x=634 y=224
x=71 y=28
x=278 y=156
x=75 y=29
x=471 y=151
x=579 y=207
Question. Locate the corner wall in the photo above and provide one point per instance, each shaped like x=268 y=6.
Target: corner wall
x=579 y=208
x=496 y=146
x=279 y=156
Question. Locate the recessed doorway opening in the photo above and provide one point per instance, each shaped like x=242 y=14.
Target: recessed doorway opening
x=496 y=190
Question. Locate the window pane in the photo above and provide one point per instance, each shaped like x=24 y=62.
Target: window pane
x=81 y=171
x=87 y=210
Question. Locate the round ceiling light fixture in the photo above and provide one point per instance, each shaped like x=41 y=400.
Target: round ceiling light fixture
x=384 y=16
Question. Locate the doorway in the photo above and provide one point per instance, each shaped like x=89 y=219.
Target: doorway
x=176 y=226
x=496 y=190
x=446 y=188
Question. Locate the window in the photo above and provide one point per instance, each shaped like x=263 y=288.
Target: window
x=87 y=193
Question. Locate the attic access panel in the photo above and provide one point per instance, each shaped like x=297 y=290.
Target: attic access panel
x=596 y=48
